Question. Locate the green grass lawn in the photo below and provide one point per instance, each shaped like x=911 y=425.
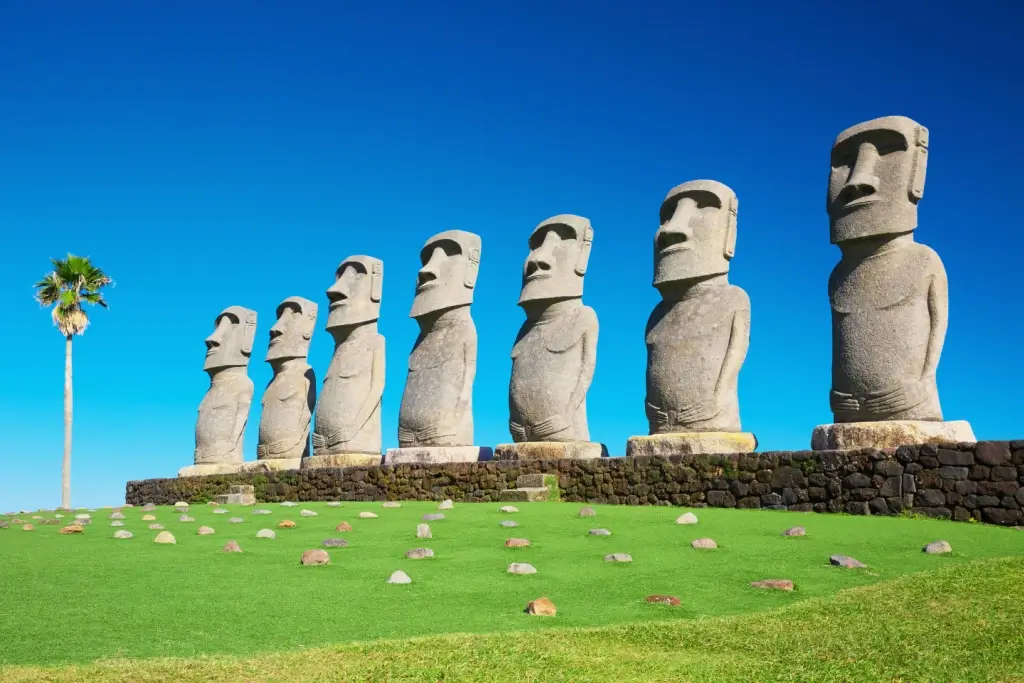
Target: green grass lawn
x=75 y=599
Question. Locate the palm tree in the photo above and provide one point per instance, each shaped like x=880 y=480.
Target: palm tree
x=73 y=280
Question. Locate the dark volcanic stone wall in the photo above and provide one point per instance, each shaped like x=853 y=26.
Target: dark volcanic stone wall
x=982 y=481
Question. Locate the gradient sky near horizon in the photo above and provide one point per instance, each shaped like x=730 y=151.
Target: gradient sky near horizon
x=215 y=153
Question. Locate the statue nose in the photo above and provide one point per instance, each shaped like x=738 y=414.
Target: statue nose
x=426 y=274
x=537 y=263
x=862 y=181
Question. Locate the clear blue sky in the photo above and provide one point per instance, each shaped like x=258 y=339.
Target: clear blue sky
x=215 y=153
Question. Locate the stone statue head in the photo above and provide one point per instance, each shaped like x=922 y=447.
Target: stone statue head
x=559 y=253
x=451 y=261
x=230 y=345
x=697 y=237
x=877 y=178
x=355 y=294
x=290 y=335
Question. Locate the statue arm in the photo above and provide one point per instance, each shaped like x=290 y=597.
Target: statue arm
x=735 y=353
x=587 y=365
x=242 y=414
x=468 y=375
x=938 y=312
x=374 y=395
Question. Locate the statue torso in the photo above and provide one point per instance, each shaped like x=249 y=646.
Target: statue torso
x=287 y=410
x=347 y=386
x=218 y=429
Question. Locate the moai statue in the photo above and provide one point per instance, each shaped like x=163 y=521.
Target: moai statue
x=290 y=397
x=347 y=424
x=555 y=352
x=225 y=408
x=697 y=337
x=888 y=294
x=435 y=422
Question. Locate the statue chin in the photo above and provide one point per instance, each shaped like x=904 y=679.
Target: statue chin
x=551 y=288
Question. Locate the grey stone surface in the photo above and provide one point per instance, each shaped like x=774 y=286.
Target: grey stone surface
x=600 y=532
x=507 y=509
x=391 y=504
x=437 y=404
x=423 y=531
x=433 y=516
x=117 y=523
x=690 y=443
x=521 y=568
x=371 y=515
x=224 y=409
x=697 y=337
x=889 y=434
x=122 y=534
x=204 y=531
x=290 y=397
x=618 y=557
x=524 y=495
x=266 y=533
x=704 y=544
x=415 y=455
x=555 y=352
x=419 y=553
x=307 y=513
x=795 y=531
x=334 y=543
x=938 y=548
x=348 y=413
x=446 y=504
x=686 y=518
x=888 y=293
x=508 y=523
x=846 y=561
x=550 y=450
x=588 y=512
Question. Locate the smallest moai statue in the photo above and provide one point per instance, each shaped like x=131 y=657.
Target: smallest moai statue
x=224 y=410
x=697 y=337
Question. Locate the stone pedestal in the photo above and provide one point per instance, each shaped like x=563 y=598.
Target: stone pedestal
x=550 y=450
x=424 y=455
x=889 y=434
x=271 y=465
x=239 y=495
x=691 y=443
x=203 y=470
x=340 y=460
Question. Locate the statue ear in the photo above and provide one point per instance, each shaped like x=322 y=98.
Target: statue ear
x=581 y=264
x=730 y=228
x=917 y=174
x=248 y=333
x=307 y=333
x=472 y=268
x=376 y=282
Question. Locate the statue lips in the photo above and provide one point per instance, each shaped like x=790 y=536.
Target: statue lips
x=671 y=242
x=855 y=204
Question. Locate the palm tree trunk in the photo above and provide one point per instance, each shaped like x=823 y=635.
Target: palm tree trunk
x=65 y=477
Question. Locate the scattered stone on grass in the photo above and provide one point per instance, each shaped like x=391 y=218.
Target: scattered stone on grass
x=938 y=548
x=307 y=513
x=37 y=516
x=54 y=522
x=266 y=533
x=315 y=557
x=433 y=516
x=212 y=503
x=148 y=518
x=289 y=504
x=58 y=516
x=205 y=531
x=392 y=504
x=286 y=524
x=704 y=544
x=774 y=584
x=84 y=515
x=508 y=509
x=185 y=518
x=600 y=532
x=334 y=543
x=231 y=547
x=588 y=512
x=220 y=511
x=235 y=520
x=367 y=515
x=181 y=504
x=846 y=561
x=156 y=526
x=517 y=543
x=670 y=600
x=334 y=504
x=27 y=527
x=423 y=531
x=688 y=518
x=123 y=534
x=80 y=522
x=419 y=553
x=446 y=504
x=117 y=523
x=257 y=512
x=795 y=531
x=508 y=523
x=72 y=529
x=541 y=607
x=17 y=521
x=521 y=568
x=343 y=527
x=618 y=557
x=117 y=515
x=165 y=537
x=399 y=577
x=4 y=524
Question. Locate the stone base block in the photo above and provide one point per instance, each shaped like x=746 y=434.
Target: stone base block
x=527 y=495
x=340 y=460
x=203 y=470
x=532 y=488
x=550 y=450
x=891 y=434
x=239 y=495
x=433 y=455
x=271 y=465
x=691 y=443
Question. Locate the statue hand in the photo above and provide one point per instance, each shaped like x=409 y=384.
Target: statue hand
x=551 y=426
x=701 y=411
x=517 y=431
x=904 y=396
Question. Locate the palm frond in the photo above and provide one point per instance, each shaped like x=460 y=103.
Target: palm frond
x=73 y=280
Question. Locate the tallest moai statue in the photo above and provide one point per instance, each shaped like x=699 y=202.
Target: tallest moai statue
x=888 y=294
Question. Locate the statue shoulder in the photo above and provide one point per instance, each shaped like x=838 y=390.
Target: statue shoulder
x=736 y=298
